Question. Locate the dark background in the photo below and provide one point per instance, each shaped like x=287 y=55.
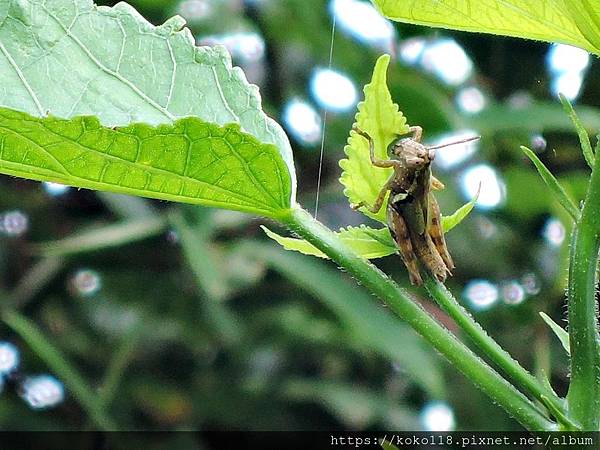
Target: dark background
x=224 y=331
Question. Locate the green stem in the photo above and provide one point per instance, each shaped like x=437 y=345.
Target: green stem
x=118 y=365
x=59 y=364
x=488 y=380
x=583 y=397
x=497 y=354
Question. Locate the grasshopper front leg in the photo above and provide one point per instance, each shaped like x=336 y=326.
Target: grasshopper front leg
x=384 y=163
x=379 y=200
x=417 y=132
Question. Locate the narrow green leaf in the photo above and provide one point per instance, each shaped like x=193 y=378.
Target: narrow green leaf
x=367 y=242
x=188 y=161
x=88 y=399
x=104 y=237
x=575 y=22
x=378 y=116
x=560 y=333
x=584 y=138
x=368 y=323
x=546 y=381
x=449 y=222
x=70 y=58
x=553 y=184
x=210 y=278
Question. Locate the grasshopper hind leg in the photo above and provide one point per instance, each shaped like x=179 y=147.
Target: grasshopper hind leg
x=437 y=233
x=429 y=256
x=401 y=236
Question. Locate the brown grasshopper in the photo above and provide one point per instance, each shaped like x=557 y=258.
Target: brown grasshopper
x=413 y=213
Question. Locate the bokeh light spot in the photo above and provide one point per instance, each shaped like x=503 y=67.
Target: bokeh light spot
x=411 y=50
x=566 y=58
x=86 y=283
x=451 y=156
x=554 y=232
x=531 y=284
x=481 y=294
x=55 y=189
x=447 y=60
x=493 y=188
x=13 y=223
x=42 y=391
x=437 y=416
x=471 y=100
x=245 y=47
x=9 y=358
x=513 y=293
x=302 y=121
x=332 y=90
x=362 y=21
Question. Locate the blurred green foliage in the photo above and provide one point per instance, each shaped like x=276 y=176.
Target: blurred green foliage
x=200 y=322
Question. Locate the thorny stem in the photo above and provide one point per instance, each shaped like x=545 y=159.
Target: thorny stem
x=482 y=375
x=583 y=398
x=493 y=351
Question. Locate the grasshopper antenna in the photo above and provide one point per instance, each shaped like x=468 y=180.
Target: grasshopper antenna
x=461 y=141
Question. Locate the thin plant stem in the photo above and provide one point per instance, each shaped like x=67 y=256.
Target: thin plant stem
x=482 y=375
x=583 y=397
x=444 y=298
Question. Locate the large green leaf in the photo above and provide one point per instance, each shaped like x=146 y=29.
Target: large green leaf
x=70 y=58
x=575 y=22
x=189 y=161
x=378 y=116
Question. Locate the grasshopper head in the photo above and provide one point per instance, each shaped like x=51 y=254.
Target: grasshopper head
x=414 y=154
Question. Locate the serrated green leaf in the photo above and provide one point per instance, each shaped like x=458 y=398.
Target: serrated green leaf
x=70 y=58
x=559 y=332
x=367 y=242
x=584 y=139
x=449 y=222
x=575 y=22
x=380 y=117
x=189 y=161
x=552 y=183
